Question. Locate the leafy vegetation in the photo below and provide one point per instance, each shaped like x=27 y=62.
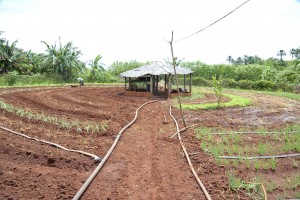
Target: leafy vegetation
x=60 y=63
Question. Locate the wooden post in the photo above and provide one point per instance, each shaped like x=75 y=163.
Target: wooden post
x=129 y=80
x=190 y=83
x=176 y=79
x=165 y=82
x=125 y=84
x=184 y=82
x=157 y=80
x=151 y=85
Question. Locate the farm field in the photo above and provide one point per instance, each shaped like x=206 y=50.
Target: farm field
x=147 y=163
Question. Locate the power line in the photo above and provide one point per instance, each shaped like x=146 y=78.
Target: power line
x=213 y=22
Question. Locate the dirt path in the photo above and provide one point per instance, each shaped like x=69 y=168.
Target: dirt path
x=146 y=164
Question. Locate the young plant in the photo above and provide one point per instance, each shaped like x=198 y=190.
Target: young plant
x=218 y=89
x=261 y=149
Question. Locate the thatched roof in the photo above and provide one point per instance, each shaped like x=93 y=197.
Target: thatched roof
x=155 y=68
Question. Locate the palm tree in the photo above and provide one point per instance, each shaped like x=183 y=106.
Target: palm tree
x=293 y=53
x=230 y=60
x=62 y=60
x=281 y=53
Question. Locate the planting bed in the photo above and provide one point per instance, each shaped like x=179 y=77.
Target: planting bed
x=146 y=164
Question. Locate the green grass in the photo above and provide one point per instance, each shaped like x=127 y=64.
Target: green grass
x=288 y=95
x=235 y=101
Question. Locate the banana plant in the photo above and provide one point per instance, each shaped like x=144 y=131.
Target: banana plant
x=62 y=60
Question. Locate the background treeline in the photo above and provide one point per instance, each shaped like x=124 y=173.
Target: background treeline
x=60 y=63
x=272 y=74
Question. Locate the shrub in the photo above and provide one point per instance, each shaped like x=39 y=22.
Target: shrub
x=11 y=78
x=245 y=84
x=296 y=89
x=265 y=85
x=229 y=83
x=199 y=81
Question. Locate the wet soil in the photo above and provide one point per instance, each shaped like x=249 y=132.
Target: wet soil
x=146 y=163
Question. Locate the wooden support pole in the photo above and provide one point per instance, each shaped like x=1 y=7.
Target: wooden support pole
x=176 y=79
x=151 y=85
x=184 y=82
x=125 y=83
x=190 y=83
x=165 y=82
x=157 y=80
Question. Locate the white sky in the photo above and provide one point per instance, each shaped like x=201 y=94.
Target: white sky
x=124 y=30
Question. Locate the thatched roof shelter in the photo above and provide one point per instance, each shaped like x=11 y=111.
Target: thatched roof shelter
x=144 y=80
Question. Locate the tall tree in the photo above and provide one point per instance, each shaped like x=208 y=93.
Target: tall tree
x=281 y=53
x=62 y=60
x=293 y=53
x=239 y=61
x=230 y=60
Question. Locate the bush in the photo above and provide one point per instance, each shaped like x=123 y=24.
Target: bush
x=296 y=89
x=265 y=85
x=229 y=83
x=11 y=78
x=245 y=84
x=199 y=81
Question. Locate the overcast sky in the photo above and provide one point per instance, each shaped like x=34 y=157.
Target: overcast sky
x=124 y=30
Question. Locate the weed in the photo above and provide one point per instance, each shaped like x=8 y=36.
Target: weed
x=237 y=184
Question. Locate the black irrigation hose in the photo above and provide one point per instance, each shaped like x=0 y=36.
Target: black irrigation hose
x=98 y=168
x=260 y=157
x=188 y=158
x=96 y=158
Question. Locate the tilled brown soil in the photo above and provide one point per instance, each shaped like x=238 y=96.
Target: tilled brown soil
x=146 y=163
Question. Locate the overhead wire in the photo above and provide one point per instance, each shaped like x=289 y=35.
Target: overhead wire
x=213 y=22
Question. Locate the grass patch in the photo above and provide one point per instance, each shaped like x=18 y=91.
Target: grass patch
x=235 y=101
x=288 y=95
